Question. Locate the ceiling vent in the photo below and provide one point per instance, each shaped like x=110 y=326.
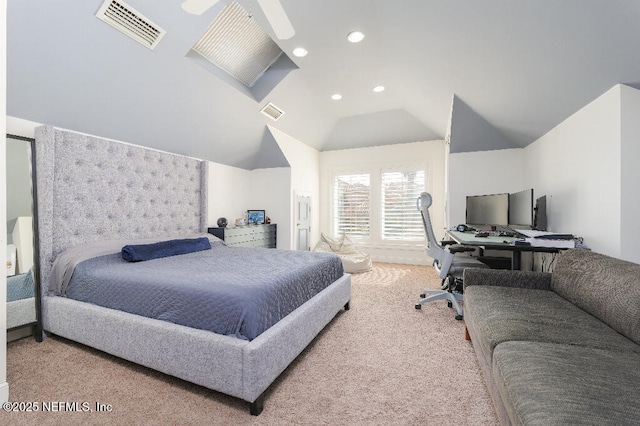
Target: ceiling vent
x=129 y=21
x=272 y=111
x=235 y=43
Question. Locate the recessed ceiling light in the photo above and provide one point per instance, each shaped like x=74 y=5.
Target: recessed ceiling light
x=355 y=36
x=336 y=97
x=378 y=89
x=300 y=52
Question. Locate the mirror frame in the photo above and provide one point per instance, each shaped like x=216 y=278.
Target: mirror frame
x=37 y=325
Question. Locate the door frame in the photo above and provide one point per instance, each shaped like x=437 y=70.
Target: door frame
x=297 y=194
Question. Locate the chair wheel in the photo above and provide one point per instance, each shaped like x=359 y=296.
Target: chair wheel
x=422 y=296
x=449 y=304
x=418 y=306
x=459 y=317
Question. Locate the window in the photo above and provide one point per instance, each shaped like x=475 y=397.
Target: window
x=377 y=205
x=400 y=217
x=351 y=202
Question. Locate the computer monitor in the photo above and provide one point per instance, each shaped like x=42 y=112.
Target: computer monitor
x=521 y=209
x=488 y=209
x=540 y=214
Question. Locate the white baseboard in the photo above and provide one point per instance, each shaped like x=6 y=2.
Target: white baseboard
x=4 y=392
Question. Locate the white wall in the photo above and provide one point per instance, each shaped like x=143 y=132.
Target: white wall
x=431 y=154
x=479 y=173
x=305 y=179
x=630 y=153
x=233 y=191
x=271 y=191
x=229 y=193
x=4 y=386
x=577 y=165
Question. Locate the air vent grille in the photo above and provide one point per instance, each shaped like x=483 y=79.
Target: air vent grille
x=272 y=111
x=235 y=43
x=129 y=21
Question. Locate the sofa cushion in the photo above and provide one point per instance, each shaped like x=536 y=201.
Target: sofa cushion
x=502 y=314
x=606 y=287
x=555 y=384
x=508 y=278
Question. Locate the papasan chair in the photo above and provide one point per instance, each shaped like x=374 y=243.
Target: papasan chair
x=354 y=260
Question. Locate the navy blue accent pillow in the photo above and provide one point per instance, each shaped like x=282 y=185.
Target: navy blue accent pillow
x=140 y=252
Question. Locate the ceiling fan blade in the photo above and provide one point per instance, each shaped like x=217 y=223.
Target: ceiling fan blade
x=197 y=7
x=278 y=18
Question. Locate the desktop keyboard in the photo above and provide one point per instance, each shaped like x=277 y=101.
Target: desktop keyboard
x=487 y=233
x=483 y=233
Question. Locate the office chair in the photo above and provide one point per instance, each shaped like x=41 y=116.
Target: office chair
x=447 y=264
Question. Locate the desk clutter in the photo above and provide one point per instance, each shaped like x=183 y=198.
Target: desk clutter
x=518 y=218
x=487 y=233
x=519 y=237
x=551 y=239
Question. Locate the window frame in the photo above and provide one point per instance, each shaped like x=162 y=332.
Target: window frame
x=381 y=224
x=375 y=198
x=334 y=207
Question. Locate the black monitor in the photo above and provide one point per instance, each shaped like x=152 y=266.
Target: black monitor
x=540 y=214
x=521 y=209
x=488 y=209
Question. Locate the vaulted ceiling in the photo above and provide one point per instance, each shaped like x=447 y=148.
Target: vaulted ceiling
x=520 y=66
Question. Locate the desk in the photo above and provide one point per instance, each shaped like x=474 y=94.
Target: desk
x=500 y=243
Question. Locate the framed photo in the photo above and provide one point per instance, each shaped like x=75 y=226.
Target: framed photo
x=255 y=216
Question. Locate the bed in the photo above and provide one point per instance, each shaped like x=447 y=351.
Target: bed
x=21 y=303
x=91 y=189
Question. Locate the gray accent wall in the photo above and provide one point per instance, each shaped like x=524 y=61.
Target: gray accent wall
x=469 y=131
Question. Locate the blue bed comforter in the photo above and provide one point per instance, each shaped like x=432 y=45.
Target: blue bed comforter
x=227 y=290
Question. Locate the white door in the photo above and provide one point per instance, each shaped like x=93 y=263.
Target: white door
x=303 y=223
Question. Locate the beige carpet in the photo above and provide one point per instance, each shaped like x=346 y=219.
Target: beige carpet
x=383 y=362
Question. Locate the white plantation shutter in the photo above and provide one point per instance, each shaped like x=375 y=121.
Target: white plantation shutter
x=400 y=218
x=351 y=205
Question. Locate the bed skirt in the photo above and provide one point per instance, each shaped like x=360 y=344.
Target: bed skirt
x=243 y=369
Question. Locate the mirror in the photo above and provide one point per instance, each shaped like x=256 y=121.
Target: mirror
x=23 y=310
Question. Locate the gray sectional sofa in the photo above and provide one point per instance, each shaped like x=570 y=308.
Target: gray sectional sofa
x=559 y=348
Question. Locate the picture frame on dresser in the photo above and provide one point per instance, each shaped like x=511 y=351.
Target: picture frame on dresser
x=255 y=217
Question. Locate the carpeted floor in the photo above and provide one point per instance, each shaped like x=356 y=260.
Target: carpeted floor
x=383 y=362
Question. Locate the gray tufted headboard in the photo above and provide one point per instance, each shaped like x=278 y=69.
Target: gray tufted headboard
x=91 y=189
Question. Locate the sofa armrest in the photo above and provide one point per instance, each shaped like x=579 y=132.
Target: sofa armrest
x=507 y=278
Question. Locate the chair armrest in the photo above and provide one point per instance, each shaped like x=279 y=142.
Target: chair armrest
x=507 y=278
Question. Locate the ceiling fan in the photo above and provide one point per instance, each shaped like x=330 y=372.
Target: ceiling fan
x=272 y=9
